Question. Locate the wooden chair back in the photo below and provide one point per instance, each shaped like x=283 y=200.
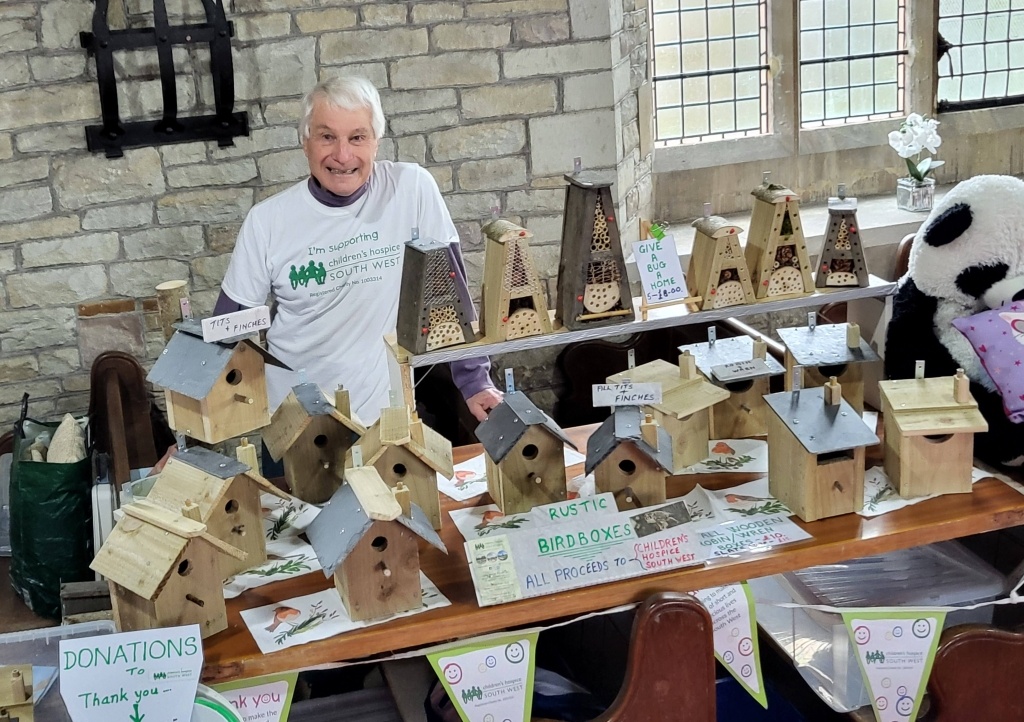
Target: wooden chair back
x=975 y=675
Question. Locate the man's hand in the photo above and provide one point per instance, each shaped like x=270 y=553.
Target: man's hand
x=483 y=401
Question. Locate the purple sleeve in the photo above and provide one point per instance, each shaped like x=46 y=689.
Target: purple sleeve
x=226 y=304
x=471 y=375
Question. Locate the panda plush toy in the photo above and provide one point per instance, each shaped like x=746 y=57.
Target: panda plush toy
x=968 y=256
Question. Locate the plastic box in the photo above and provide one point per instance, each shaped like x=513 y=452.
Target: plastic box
x=40 y=647
x=943 y=574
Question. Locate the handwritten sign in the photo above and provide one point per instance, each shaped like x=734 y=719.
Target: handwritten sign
x=748 y=535
x=574 y=508
x=136 y=676
x=661 y=275
x=735 y=633
x=489 y=681
x=741 y=370
x=627 y=394
x=895 y=649
x=240 y=323
x=261 y=699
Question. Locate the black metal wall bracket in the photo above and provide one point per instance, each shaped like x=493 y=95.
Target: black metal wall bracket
x=114 y=136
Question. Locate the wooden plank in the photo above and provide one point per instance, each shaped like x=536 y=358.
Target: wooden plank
x=193 y=593
x=628 y=466
x=287 y=424
x=377 y=500
x=923 y=394
x=947 y=421
x=743 y=414
x=150 y=513
x=533 y=476
x=312 y=464
x=226 y=415
x=394 y=425
x=790 y=469
x=381 y=576
x=180 y=483
x=690 y=437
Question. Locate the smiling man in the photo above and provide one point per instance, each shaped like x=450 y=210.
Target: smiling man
x=330 y=248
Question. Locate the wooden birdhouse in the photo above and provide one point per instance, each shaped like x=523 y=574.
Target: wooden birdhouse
x=776 y=251
x=164 y=570
x=816 y=446
x=718 y=271
x=684 y=411
x=16 y=694
x=223 y=494
x=405 y=450
x=513 y=297
x=214 y=391
x=367 y=537
x=842 y=263
x=431 y=313
x=524 y=455
x=742 y=367
x=823 y=351
x=630 y=456
x=929 y=434
x=592 y=285
x=312 y=436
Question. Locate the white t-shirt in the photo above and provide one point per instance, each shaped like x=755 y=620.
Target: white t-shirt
x=336 y=275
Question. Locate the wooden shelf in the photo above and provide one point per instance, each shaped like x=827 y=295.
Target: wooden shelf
x=657 y=318
x=233 y=654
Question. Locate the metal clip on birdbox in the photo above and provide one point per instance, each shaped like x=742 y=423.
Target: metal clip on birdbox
x=113 y=136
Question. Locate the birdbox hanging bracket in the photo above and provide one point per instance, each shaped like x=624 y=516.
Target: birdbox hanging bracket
x=113 y=136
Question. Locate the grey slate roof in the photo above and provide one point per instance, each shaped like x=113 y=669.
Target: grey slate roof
x=312 y=400
x=339 y=526
x=624 y=425
x=425 y=244
x=727 y=351
x=506 y=424
x=820 y=428
x=190 y=366
x=824 y=346
x=214 y=464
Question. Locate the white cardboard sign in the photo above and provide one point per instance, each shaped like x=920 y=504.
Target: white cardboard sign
x=240 y=323
x=661 y=275
x=627 y=394
x=146 y=676
x=735 y=632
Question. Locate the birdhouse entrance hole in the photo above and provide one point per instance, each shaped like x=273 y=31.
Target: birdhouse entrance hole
x=937 y=438
x=833 y=456
x=234 y=377
x=837 y=370
x=185 y=567
x=627 y=467
x=530 y=452
x=231 y=507
x=739 y=387
x=399 y=469
x=320 y=440
x=379 y=543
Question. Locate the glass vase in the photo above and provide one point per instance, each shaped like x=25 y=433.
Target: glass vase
x=915 y=195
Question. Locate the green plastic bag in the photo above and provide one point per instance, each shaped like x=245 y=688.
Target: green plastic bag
x=51 y=526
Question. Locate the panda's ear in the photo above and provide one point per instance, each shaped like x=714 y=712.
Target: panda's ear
x=948 y=225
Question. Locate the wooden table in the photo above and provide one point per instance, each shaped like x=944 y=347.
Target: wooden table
x=233 y=653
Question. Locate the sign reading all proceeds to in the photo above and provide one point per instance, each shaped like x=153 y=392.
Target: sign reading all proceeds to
x=661 y=276
x=240 y=323
x=627 y=394
x=146 y=676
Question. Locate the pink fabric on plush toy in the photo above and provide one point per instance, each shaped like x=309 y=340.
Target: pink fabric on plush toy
x=998 y=338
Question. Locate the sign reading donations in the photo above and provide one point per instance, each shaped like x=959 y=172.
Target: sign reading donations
x=895 y=649
x=591 y=550
x=261 y=699
x=240 y=323
x=489 y=681
x=146 y=676
x=735 y=631
x=661 y=275
x=627 y=394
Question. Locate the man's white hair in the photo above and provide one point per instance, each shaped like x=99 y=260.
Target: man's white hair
x=348 y=93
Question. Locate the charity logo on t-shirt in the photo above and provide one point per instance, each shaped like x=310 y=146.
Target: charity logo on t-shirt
x=351 y=262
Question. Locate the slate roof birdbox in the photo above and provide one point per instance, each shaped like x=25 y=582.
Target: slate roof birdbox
x=823 y=351
x=524 y=455
x=742 y=367
x=776 y=251
x=630 y=456
x=718 y=270
x=215 y=390
x=592 y=286
x=841 y=263
x=312 y=436
x=404 y=449
x=431 y=314
x=816 y=446
x=929 y=434
x=367 y=538
x=513 y=296
x=684 y=411
x=227 y=494
x=164 y=571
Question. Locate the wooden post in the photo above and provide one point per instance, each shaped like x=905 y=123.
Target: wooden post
x=342 y=402
x=18 y=691
x=760 y=349
x=402 y=497
x=190 y=510
x=961 y=387
x=649 y=431
x=246 y=453
x=833 y=392
x=168 y=301
x=853 y=335
x=687 y=366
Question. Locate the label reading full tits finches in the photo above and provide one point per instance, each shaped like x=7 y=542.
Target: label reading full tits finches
x=240 y=323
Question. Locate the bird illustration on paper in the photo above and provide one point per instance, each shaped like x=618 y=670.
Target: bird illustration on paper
x=733 y=498
x=282 y=615
x=722 y=448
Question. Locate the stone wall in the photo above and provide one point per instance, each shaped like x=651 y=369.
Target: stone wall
x=494 y=97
